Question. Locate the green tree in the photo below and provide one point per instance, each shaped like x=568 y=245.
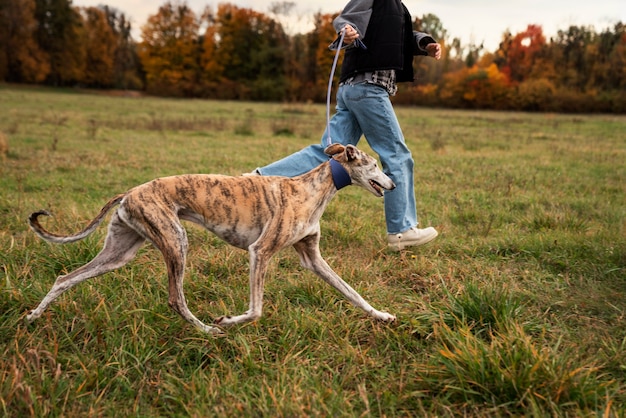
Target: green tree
x=126 y=65
x=60 y=34
x=429 y=71
x=294 y=51
x=245 y=49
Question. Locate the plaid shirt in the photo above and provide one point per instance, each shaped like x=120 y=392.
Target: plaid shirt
x=384 y=78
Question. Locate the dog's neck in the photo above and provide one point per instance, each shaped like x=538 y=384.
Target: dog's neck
x=341 y=178
x=321 y=185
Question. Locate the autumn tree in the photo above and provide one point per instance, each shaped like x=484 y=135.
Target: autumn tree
x=21 y=58
x=297 y=70
x=522 y=56
x=591 y=68
x=169 y=51
x=482 y=86
x=617 y=57
x=607 y=59
x=212 y=70
x=100 y=44
x=569 y=51
x=321 y=37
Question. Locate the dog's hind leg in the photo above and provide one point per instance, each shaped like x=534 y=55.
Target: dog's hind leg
x=120 y=246
x=310 y=257
x=174 y=250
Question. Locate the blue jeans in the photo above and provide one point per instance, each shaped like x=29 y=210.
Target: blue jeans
x=364 y=109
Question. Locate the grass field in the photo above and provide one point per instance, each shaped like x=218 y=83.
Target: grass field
x=518 y=308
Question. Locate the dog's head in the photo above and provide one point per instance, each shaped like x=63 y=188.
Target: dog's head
x=362 y=168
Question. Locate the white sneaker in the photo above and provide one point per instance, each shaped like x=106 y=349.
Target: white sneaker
x=411 y=238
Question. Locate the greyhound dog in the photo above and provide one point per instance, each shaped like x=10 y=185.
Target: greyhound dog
x=257 y=213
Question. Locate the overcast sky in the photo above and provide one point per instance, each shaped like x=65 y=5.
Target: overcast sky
x=476 y=20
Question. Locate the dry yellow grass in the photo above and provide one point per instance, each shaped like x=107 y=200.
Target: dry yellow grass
x=4 y=145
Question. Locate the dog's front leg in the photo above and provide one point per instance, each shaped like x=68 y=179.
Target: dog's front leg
x=310 y=257
x=259 y=261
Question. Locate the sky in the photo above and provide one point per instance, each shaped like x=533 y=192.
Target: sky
x=476 y=21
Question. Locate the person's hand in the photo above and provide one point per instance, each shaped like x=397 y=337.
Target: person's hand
x=434 y=50
x=350 y=34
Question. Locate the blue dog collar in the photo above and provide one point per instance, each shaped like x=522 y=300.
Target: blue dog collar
x=341 y=178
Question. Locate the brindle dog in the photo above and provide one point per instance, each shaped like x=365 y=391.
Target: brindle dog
x=257 y=213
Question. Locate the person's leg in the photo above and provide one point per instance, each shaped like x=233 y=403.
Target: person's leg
x=374 y=112
x=295 y=164
x=344 y=130
x=344 y=126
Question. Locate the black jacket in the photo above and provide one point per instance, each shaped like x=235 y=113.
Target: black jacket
x=386 y=31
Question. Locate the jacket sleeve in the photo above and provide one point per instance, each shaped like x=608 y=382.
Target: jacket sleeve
x=357 y=14
x=421 y=39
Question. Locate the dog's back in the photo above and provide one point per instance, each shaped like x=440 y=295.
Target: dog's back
x=237 y=209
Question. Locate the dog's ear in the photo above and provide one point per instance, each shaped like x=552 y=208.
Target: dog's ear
x=334 y=149
x=351 y=152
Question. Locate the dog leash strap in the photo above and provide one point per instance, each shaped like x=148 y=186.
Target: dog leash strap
x=341 y=178
x=329 y=141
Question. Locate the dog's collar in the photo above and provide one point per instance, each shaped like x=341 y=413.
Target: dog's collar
x=341 y=178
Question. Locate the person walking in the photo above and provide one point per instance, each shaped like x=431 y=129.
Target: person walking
x=379 y=44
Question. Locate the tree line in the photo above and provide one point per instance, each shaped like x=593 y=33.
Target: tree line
x=229 y=52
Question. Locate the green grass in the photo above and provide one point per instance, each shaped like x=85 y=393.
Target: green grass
x=517 y=308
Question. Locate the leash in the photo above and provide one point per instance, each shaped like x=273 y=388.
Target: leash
x=341 y=178
x=330 y=87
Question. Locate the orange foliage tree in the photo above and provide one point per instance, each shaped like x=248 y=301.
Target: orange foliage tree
x=169 y=50
x=21 y=58
x=522 y=56
x=101 y=44
x=482 y=86
x=322 y=36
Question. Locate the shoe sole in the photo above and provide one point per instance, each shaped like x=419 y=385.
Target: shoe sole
x=399 y=246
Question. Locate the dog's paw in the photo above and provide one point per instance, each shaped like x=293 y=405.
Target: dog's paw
x=386 y=317
x=212 y=330
x=228 y=320
x=29 y=318
x=216 y=332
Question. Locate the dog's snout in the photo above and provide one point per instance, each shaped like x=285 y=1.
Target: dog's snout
x=389 y=184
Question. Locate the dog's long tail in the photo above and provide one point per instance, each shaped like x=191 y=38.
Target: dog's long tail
x=33 y=221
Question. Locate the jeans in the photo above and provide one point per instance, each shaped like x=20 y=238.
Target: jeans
x=364 y=109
